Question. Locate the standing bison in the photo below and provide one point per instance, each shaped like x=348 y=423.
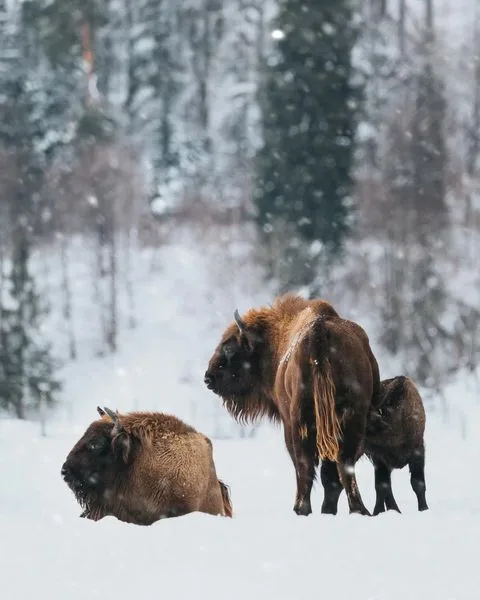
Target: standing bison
x=144 y=466
x=395 y=438
x=299 y=363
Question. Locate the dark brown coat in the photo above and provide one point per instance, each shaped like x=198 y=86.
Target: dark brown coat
x=297 y=362
x=144 y=466
x=395 y=438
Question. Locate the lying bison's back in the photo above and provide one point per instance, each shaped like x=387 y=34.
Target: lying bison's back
x=184 y=472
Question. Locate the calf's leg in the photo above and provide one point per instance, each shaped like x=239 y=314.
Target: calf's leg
x=417 y=476
x=383 y=489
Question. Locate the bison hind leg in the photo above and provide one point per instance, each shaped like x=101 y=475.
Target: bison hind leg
x=331 y=485
x=351 y=450
x=215 y=498
x=305 y=459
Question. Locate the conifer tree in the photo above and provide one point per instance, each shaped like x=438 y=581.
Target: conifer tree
x=27 y=369
x=309 y=106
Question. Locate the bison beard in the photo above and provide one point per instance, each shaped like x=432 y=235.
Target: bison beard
x=142 y=467
x=299 y=363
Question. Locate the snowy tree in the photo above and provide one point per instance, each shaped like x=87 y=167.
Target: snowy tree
x=406 y=185
x=154 y=79
x=27 y=369
x=310 y=104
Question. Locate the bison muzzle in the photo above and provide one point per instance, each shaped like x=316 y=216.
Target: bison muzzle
x=144 y=466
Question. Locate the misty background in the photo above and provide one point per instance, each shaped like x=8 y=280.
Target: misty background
x=163 y=163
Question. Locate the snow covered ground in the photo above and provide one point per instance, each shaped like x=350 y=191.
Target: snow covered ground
x=265 y=551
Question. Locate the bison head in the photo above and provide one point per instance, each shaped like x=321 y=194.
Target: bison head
x=96 y=460
x=235 y=368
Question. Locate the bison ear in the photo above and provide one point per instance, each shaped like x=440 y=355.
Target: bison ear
x=100 y=411
x=122 y=446
x=253 y=338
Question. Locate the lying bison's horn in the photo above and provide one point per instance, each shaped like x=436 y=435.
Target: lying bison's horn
x=110 y=413
x=113 y=415
x=238 y=320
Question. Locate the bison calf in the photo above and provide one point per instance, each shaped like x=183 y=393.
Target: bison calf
x=144 y=466
x=395 y=438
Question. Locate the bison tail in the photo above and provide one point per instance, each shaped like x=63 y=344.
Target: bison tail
x=326 y=421
x=227 y=503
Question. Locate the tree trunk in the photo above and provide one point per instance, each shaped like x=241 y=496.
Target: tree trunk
x=112 y=325
x=132 y=323
x=19 y=408
x=401 y=26
x=98 y=273
x=67 y=299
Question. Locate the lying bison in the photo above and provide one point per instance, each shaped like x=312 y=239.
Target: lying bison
x=144 y=466
x=395 y=438
x=299 y=363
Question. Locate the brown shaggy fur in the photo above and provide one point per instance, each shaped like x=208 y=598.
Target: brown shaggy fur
x=395 y=438
x=297 y=362
x=144 y=466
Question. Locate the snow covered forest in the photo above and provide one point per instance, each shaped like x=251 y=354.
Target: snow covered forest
x=142 y=149
x=165 y=162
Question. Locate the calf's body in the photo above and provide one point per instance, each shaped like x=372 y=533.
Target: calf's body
x=395 y=438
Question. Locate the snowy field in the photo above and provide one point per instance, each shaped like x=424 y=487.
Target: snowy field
x=265 y=551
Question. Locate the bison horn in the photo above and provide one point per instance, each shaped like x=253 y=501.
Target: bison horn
x=111 y=414
x=238 y=320
x=115 y=419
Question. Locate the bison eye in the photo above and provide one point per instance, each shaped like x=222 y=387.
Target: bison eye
x=95 y=445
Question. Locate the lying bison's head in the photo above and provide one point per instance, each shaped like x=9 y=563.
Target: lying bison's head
x=100 y=455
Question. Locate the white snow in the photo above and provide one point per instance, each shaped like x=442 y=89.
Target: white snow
x=278 y=34
x=265 y=551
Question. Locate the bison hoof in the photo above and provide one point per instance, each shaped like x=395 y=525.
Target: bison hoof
x=329 y=510
x=302 y=508
x=360 y=511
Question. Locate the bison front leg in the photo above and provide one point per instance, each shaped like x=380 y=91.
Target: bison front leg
x=350 y=451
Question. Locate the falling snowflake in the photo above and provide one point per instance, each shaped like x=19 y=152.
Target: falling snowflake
x=278 y=34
